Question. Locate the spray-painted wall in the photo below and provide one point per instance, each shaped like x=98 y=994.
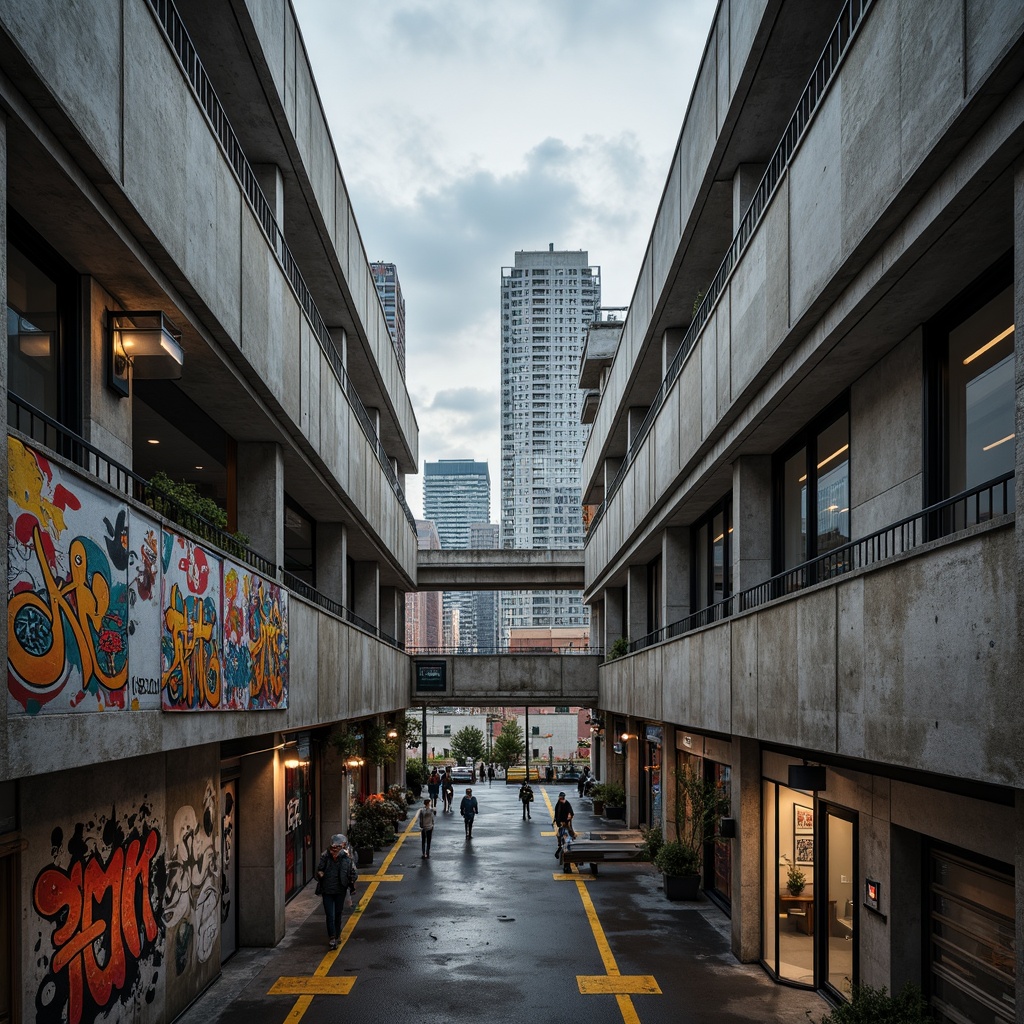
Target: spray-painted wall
x=121 y=888
x=110 y=611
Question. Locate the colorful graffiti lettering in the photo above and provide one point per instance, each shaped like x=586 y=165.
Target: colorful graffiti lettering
x=191 y=679
x=255 y=641
x=105 y=924
x=76 y=624
x=192 y=900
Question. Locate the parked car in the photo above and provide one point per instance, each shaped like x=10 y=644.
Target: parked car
x=462 y=773
x=570 y=775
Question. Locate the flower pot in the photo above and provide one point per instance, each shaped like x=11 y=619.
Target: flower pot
x=795 y=890
x=681 y=887
x=364 y=856
x=598 y=807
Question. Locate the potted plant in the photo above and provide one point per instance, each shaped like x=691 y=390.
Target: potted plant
x=360 y=841
x=795 y=880
x=614 y=800
x=700 y=803
x=597 y=796
x=654 y=840
x=876 y=1006
x=379 y=816
x=415 y=776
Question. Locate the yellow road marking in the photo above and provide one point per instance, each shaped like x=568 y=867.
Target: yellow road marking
x=601 y=984
x=320 y=983
x=312 y=986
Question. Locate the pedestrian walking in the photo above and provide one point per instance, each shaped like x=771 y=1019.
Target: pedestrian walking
x=483 y=771
x=433 y=786
x=526 y=797
x=336 y=883
x=582 y=784
x=563 y=818
x=490 y=774
x=565 y=838
x=426 y=818
x=447 y=789
x=469 y=809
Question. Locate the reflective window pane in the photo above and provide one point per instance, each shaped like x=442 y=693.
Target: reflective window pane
x=794 y=510
x=833 y=488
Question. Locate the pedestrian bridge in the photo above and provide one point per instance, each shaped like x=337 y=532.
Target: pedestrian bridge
x=516 y=678
x=499 y=569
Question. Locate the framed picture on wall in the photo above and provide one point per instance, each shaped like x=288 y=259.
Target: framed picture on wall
x=804 y=849
x=803 y=820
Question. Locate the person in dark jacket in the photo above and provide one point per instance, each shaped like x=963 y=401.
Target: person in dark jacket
x=563 y=817
x=337 y=879
x=526 y=798
x=469 y=809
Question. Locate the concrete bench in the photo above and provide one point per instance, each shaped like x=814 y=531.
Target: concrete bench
x=604 y=851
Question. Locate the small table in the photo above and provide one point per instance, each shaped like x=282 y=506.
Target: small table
x=798 y=902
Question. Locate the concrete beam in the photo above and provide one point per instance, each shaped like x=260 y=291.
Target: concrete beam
x=499 y=569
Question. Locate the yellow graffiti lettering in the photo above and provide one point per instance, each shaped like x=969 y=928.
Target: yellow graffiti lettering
x=81 y=604
x=193 y=678
x=266 y=661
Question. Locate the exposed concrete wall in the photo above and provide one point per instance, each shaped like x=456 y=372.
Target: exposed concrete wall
x=106 y=417
x=261 y=794
x=261 y=497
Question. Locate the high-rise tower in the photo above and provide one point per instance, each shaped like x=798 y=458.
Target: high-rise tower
x=548 y=300
x=385 y=279
x=456 y=494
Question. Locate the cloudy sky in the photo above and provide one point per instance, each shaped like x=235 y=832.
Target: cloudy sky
x=468 y=129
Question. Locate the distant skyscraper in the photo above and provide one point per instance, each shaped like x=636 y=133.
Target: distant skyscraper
x=456 y=494
x=385 y=278
x=485 y=602
x=548 y=300
x=423 y=615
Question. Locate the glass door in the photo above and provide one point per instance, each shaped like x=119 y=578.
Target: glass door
x=839 y=951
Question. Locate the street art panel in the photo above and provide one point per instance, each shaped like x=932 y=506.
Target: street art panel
x=255 y=624
x=191 y=910
x=190 y=643
x=144 y=610
x=99 y=947
x=68 y=591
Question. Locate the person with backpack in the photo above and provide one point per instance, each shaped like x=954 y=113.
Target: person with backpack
x=469 y=809
x=526 y=797
x=433 y=786
x=336 y=879
x=447 y=789
x=426 y=819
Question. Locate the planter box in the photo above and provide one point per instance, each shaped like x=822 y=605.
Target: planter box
x=615 y=812
x=364 y=857
x=681 y=887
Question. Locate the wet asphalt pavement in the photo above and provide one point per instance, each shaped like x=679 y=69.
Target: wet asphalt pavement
x=489 y=929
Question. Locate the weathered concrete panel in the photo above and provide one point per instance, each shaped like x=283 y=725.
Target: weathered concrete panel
x=815 y=695
x=303 y=673
x=870 y=154
x=76 y=50
x=707 y=352
x=716 y=683
x=699 y=133
x=268 y=18
x=747 y=301
x=667 y=229
x=775 y=229
x=989 y=27
x=675 y=665
x=778 y=711
x=815 y=191
x=744 y=18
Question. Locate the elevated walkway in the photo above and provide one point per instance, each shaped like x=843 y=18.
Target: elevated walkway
x=499 y=569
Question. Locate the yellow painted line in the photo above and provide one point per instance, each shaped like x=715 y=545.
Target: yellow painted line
x=595 y=926
x=632 y=985
x=567 y=876
x=549 y=833
x=312 y=986
x=320 y=975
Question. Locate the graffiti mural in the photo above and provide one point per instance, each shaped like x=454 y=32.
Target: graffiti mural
x=192 y=900
x=67 y=589
x=190 y=646
x=102 y=896
x=255 y=641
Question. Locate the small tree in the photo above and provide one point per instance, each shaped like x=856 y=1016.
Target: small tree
x=468 y=745
x=700 y=803
x=380 y=749
x=508 y=747
x=411 y=730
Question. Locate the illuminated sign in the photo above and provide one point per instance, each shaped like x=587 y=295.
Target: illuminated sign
x=431 y=676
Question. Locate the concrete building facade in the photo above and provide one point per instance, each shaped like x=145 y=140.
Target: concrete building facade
x=806 y=459
x=187 y=294
x=457 y=494
x=548 y=299
x=389 y=291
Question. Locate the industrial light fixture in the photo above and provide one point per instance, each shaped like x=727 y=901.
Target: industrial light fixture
x=143 y=344
x=989 y=344
x=292 y=762
x=392 y=733
x=33 y=341
x=353 y=763
x=627 y=736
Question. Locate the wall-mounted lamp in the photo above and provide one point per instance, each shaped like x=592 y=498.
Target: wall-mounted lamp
x=143 y=344
x=292 y=762
x=354 y=763
x=392 y=733
x=627 y=736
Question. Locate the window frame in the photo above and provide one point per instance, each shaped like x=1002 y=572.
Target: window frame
x=721 y=507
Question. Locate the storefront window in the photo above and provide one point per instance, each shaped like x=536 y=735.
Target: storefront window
x=300 y=821
x=840 y=871
x=718 y=859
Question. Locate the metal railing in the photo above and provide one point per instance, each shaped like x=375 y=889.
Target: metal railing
x=48 y=433
x=969 y=508
x=828 y=63
x=195 y=74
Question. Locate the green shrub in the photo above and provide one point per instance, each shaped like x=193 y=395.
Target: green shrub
x=614 y=795
x=674 y=859
x=875 y=1006
x=618 y=649
x=361 y=835
x=653 y=841
x=379 y=816
x=190 y=502
x=415 y=774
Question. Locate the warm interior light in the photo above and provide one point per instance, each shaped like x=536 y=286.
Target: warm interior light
x=292 y=762
x=838 y=451
x=996 y=444
x=989 y=344
x=392 y=734
x=152 y=440
x=199 y=467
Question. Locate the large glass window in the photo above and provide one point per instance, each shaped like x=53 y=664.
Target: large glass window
x=712 y=557
x=812 y=480
x=840 y=870
x=718 y=855
x=299 y=542
x=971 y=398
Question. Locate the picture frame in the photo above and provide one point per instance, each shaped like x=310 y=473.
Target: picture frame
x=803 y=849
x=803 y=820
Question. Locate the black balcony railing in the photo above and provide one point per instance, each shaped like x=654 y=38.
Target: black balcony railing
x=838 y=43
x=461 y=649
x=981 y=504
x=195 y=74
x=46 y=432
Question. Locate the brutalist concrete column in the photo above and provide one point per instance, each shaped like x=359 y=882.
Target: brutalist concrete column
x=746 y=850
x=365 y=599
x=631 y=752
x=635 y=417
x=669 y=764
x=260 y=490
x=340 y=339
x=270 y=180
x=261 y=850
x=611 y=467
x=670 y=342
x=390 y=618
x=636 y=621
x=614 y=615
x=675 y=574
x=333 y=795
x=332 y=561
x=751 y=517
x=744 y=185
